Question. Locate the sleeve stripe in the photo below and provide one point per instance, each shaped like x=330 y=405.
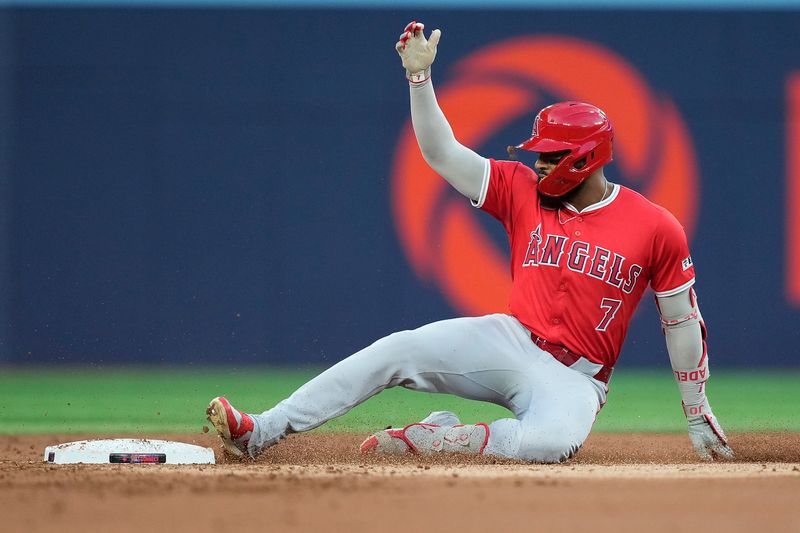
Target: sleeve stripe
x=676 y=290
x=487 y=171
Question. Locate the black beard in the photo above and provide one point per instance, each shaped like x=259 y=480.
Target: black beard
x=554 y=202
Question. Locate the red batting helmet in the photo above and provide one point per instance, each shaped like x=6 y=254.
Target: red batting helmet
x=582 y=129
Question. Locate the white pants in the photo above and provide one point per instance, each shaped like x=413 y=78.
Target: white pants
x=490 y=358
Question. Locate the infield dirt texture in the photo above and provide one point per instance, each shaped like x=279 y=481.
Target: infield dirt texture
x=318 y=482
x=620 y=481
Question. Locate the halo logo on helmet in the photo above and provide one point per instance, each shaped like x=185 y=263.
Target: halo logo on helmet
x=444 y=238
x=580 y=129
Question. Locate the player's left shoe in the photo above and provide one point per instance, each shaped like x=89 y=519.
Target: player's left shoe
x=429 y=438
x=234 y=427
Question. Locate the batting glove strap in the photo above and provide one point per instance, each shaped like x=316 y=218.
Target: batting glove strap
x=695 y=410
x=707 y=436
x=418 y=79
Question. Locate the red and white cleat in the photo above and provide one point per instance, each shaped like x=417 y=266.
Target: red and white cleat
x=387 y=441
x=429 y=438
x=234 y=427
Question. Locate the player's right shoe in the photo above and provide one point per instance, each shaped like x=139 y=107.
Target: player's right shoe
x=234 y=427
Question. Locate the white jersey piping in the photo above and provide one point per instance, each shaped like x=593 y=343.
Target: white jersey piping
x=676 y=290
x=598 y=205
x=487 y=171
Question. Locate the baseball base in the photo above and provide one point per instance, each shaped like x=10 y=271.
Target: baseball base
x=128 y=451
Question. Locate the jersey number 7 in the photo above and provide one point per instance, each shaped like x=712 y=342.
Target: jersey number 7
x=611 y=306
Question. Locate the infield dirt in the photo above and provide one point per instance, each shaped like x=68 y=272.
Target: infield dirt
x=319 y=482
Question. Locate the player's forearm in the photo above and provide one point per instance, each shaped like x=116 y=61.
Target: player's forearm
x=685 y=347
x=460 y=166
x=683 y=331
x=686 y=343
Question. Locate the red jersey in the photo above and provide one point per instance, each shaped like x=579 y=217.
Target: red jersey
x=577 y=277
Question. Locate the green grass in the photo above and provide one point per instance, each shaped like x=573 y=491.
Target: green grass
x=152 y=401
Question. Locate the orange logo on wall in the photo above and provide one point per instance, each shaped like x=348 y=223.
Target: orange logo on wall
x=501 y=83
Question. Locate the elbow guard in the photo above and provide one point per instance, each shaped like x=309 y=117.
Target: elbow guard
x=679 y=310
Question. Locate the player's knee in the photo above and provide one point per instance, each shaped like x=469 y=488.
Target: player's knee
x=535 y=443
x=548 y=446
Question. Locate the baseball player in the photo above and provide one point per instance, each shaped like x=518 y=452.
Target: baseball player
x=583 y=251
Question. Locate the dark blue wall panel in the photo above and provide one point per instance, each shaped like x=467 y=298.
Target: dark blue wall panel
x=212 y=186
x=6 y=149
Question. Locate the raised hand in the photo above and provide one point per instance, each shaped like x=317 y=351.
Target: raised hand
x=417 y=52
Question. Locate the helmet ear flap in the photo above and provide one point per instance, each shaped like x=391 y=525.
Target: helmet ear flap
x=580 y=163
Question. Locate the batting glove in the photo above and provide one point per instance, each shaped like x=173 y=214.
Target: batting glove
x=417 y=52
x=707 y=437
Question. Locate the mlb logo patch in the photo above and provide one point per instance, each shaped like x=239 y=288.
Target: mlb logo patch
x=686 y=263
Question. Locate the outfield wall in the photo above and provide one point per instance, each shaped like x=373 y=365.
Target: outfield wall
x=232 y=185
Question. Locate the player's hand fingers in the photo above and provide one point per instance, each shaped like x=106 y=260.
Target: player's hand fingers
x=401 y=43
x=434 y=39
x=410 y=25
x=703 y=453
x=417 y=31
x=700 y=443
x=722 y=450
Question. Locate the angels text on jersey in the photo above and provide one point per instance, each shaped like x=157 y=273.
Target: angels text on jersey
x=582 y=257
